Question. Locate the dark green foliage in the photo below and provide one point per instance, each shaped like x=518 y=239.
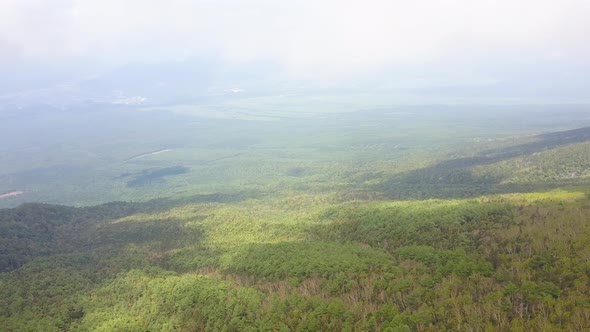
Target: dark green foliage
x=444 y=262
x=306 y=259
x=549 y=161
x=151 y=176
x=440 y=224
x=33 y=230
x=296 y=171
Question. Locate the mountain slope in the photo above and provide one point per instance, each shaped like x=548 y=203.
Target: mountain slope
x=314 y=263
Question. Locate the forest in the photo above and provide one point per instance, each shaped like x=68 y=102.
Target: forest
x=379 y=231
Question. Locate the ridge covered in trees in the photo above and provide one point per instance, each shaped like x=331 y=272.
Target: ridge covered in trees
x=504 y=262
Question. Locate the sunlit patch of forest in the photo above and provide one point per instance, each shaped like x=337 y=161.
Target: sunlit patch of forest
x=372 y=234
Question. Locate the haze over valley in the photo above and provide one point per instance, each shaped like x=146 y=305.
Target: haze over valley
x=302 y=166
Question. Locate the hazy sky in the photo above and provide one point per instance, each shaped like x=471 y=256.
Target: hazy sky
x=308 y=38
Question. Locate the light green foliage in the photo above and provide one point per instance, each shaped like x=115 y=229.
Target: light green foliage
x=162 y=301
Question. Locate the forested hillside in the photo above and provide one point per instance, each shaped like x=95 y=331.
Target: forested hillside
x=484 y=235
x=506 y=262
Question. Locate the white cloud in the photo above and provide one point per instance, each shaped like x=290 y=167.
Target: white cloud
x=307 y=37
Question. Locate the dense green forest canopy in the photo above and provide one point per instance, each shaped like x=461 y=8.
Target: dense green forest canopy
x=517 y=261
x=305 y=230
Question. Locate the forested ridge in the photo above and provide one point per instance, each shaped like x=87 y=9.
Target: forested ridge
x=504 y=262
x=499 y=241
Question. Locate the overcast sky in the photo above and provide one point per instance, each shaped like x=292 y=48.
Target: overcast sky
x=308 y=38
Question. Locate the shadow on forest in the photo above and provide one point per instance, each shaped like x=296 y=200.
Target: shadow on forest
x=303 y=259
x=453 y=178
x=148 y=177
x=159 y=204
x=35 y=229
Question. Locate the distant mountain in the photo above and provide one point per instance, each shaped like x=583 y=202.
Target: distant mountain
x=156 y=83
